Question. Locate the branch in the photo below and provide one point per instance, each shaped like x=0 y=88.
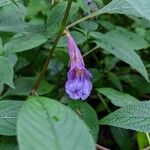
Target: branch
x=99 y=147
x=63 y=25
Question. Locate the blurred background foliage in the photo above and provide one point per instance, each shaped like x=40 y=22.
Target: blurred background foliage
x=27 y=31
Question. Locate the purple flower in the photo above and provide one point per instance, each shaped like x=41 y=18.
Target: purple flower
x=78 y=84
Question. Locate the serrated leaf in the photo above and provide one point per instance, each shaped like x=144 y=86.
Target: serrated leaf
x=51 y=125
x=139 y=8
x=6 y=72
x=126 y=39
x=8 y=116
x=88 y=115
x=127 y=55
x=118 y=98
x=6 y=2
x=135 y=117
x=25 y=41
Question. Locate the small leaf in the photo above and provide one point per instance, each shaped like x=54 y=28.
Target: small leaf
x=8 y=116
x=6 y=2
x=51 y=125
x=135 y=117
x=84 y=5
x=88 y=115
x=55 y=17
x=12 y=18
x=6 y=72
x=118 y=98
x=142 y=140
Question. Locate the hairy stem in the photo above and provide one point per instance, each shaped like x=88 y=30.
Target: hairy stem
x=52 y=50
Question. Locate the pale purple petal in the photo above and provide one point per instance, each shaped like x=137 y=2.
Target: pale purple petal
x=78 y=85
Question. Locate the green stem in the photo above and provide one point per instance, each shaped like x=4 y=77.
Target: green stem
x=62 y=28
x=82 y=19
x=104 y=103
x=90 y=51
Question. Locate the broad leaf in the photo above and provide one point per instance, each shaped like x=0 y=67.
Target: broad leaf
x=8 y=116
x=126 y=39
x=118 y=98
x=51 y=125
x=139 y=8
x=135 y=117
x=25 y=41
x=127 y=55
x=88 y=114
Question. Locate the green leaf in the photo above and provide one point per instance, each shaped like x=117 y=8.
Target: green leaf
x=127 y=40
x=88 y=115
x=6 y=2
x=6 y=72
x=78 y=37
x=34 y=8
x=122 y=138
x=25 y=41
x=127 y=55
x=139 y=8
x=142 y=140
x=118 y=98
x=51 y=125
x=23 y=87
x=83 y=4
x=137 y=82
x=55 y=17
x=115 y=80
x=88 y=25
x=135 y=117
x=12 y=18
x=8 y=116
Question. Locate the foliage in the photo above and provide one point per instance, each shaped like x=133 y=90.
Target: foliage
x=114 y=38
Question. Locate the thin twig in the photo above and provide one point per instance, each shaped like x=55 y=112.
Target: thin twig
x=82 y=19
x=90 y=51
x=99 y=147
x=104 y=103
x=63 y=24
